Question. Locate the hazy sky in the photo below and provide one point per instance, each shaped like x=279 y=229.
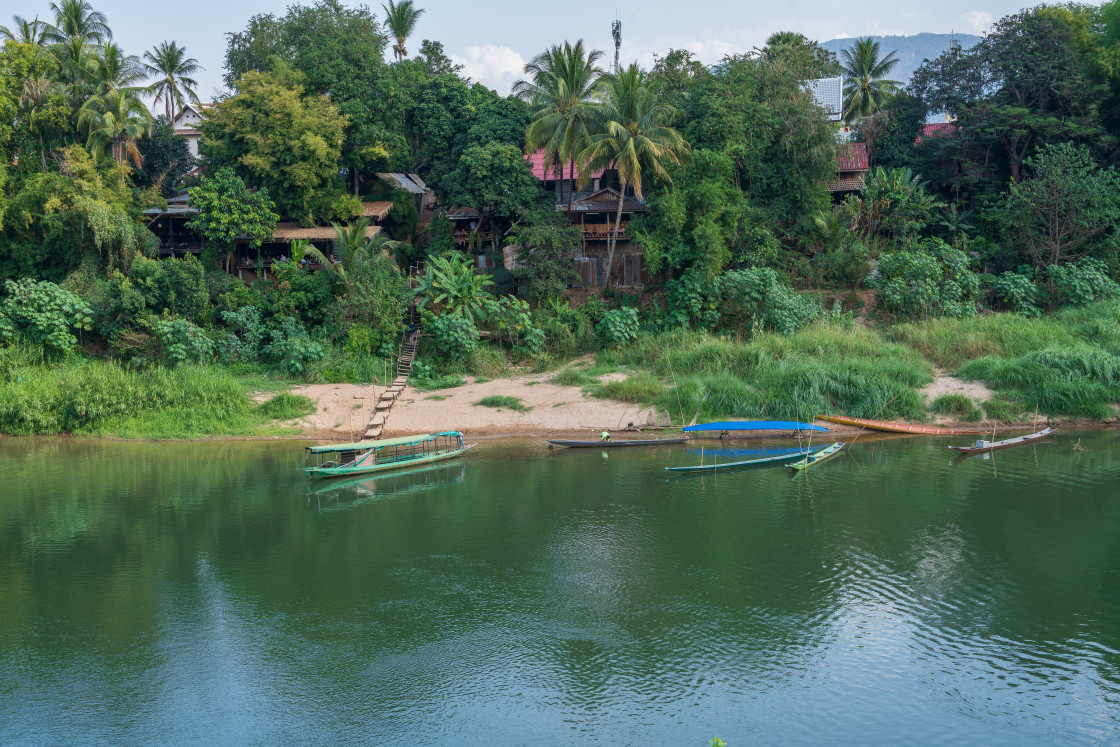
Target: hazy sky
x=493 y=39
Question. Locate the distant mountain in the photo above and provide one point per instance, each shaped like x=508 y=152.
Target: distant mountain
x=912 y=50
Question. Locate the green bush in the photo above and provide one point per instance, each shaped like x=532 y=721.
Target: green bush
x=292 y=347
x=455 y=335
x=1017 y=293
x=932 y=280
x=619 y=326
x=760 y=299
x=243 y=343
x=183 y=342
x=1081 y=283
x=42 y=314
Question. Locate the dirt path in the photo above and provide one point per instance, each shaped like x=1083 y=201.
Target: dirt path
x=943 y=383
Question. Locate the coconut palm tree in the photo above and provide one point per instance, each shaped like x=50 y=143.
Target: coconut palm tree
x=76 y=19
x=169 y=64
x=559 y=87
x=33 y=101
x=116 y=120
x=866 y=87
x=23 y=31
x=634 y=137
x=110 y=69
x=401 y=19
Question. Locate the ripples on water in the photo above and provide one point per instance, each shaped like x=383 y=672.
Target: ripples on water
x=206 y=593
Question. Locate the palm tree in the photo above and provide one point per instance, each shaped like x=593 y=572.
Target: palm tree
x=866 y=87
x=76 y=19
x=169 y=63
x=33 y=100
x=561 y=83
x=782 y=40
x=116 y=120
x=401 y=19
x=23 y=31
x=350 y=249
x=110 y=69
x=634 y=136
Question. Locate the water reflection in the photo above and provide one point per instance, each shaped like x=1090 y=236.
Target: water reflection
x=335 y=494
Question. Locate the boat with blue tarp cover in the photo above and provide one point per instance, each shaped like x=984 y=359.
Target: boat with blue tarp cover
x=756 y=425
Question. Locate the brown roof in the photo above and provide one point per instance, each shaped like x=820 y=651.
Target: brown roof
x=376 y=210
x=853 y=157
x=606 y=201
x=847 y=183
x=933 y=129
x=289 y=231
x=461 y=213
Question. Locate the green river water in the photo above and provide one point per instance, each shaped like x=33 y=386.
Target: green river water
x=182 y=593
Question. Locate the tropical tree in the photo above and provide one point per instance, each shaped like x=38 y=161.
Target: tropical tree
x=635 y=137
x=169 y=64
x=76 y=19
x=116 y=120
x=560 y=84
x=351 y=250
x=401 y=19
x=36 y=103
x=23 y=31
x=451 y=282
x=110 y=69
x=866 y=87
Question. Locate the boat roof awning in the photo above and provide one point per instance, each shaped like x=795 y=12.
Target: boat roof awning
x=380 y=444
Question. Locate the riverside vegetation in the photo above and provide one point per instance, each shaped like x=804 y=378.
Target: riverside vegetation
x=987 y=250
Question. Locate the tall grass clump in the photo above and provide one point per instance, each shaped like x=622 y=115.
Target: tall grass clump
x=499 y=401
x=104 y=398
x=958 y=405
x=1081 y=382
x=823 y=368
x=286 y=406
x=639 y=388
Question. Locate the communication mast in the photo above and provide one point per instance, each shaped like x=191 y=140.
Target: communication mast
x=616 y=32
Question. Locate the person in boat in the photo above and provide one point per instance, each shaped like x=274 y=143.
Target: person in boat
x=605 y=436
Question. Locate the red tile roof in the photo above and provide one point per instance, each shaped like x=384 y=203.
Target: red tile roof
x=853 y=157
x=536 y=163
x=932 y=129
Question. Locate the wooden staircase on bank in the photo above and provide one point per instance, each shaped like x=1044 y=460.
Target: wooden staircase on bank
x=406 y=353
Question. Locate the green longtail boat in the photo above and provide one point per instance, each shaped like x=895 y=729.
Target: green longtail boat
x=363 y=457
x=818 y=457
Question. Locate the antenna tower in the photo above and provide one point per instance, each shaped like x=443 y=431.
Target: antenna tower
x=954 y=43
x=616 y=32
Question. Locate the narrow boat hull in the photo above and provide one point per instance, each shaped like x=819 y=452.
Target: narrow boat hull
x=616 y=444
x=756 y=425
x=1007 y=444
x=813 y=459
x=882 y=425
x=363 y=469
x=779 y=459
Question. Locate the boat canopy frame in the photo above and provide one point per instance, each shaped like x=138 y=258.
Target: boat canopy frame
x=383 y=451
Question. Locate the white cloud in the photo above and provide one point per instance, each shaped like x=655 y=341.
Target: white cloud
x=493 y=65
x=976 y=21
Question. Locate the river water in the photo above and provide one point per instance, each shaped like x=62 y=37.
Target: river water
x=201 y=593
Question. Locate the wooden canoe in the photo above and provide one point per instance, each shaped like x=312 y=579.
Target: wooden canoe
x=882 y=425
x=778 y=459
x=983 y=447
x=820 y=456
x=613 y=444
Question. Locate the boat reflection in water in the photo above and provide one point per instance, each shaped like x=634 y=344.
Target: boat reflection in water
x=356 y=491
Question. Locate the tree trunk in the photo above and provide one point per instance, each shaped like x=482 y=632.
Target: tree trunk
x=571 y=186
x=42 y=151
x=613 y=243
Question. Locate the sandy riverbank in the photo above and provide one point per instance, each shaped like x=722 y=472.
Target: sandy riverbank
x=342 y=410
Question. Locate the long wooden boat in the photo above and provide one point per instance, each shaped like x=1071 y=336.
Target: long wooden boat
x=613 y=444
x=883 y=425
x=756 y=425
x=777 y=459
x=983 y=447
x=363 y=457
x=829 y=451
